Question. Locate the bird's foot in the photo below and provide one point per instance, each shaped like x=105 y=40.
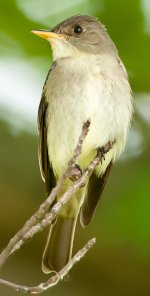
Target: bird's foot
x=101 y=151
x=75 y=173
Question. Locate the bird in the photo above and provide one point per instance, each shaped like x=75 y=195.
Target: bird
x=86 y=81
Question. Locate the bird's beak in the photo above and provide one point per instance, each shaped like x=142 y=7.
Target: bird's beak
x=47 y=34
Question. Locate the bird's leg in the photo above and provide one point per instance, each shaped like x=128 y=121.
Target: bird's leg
x=75 y=173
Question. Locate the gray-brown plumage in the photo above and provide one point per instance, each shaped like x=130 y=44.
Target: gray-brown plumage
x=86 y=81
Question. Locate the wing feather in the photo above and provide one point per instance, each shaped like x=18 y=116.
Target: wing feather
x=94 y=191
x=44 y=162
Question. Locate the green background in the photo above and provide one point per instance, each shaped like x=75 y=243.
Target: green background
x=119 y=263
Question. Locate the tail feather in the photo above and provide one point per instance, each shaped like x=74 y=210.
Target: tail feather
x=58 y=249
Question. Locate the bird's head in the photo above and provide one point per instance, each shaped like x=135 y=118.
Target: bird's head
x=78 y=35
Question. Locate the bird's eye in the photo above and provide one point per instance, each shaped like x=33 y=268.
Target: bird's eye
x=78 y=29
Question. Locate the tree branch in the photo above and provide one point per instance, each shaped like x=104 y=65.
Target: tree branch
x=18 y=239
x=53 y=280
x=43 y=218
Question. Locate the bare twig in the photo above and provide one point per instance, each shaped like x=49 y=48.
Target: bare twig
x=42 y=217
x=18 y=239
x=52 y=281
x=78 y=149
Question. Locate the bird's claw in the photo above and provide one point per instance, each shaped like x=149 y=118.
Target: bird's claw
x=101 y=151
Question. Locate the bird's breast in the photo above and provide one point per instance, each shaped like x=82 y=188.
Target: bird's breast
x=76 y=93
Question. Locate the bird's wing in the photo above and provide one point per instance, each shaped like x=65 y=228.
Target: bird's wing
x=94 y=191
x=45 y=167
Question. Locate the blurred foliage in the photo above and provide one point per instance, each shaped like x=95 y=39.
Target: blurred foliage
x=119 y=264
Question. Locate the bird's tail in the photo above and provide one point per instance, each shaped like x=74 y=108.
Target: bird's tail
x=58 y=249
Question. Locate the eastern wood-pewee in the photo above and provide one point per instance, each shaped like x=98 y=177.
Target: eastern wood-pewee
x=87 y=80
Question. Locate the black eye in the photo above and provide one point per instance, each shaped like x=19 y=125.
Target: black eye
x=78 y=29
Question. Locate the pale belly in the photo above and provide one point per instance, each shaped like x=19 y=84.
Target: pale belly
x=73 y=103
